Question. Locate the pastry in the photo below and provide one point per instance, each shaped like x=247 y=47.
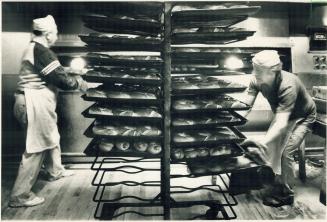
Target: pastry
x=123 y=146
x=190 y=153
x=202 y=152
x=141 y=146
x=177 y=154
x=105 y=146
x=154 y=148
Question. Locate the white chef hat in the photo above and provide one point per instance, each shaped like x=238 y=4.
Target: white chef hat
x=45 y=24
x=266 y=58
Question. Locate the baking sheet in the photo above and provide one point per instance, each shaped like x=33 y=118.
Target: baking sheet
x=227 y=165
x=125 y=112
x=199 y=84
x=117 y=42
x=203 y=137
x=93 y=150
x=119 y=22
x=221 y=22
x=139 y=136
x=210 y=37
x=201 y=104
x=111 y=77
x=227 y=150
x=104 y=59
x=121 y=94
x=188 y=13
x=207 y=120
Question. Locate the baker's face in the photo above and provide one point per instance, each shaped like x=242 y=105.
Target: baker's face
x=263 y=75
x=52 y=37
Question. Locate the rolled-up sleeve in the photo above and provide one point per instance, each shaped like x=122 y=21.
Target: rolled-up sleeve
x=287 y=99
x=252 y=88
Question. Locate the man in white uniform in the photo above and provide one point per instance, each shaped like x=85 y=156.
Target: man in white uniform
x=35 y=103
x=295 y=112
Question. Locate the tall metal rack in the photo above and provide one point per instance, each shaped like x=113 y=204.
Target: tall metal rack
x=165 y=92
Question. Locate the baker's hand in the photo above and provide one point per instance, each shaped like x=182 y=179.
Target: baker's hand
x=251 y=143
x=82 y=84
x=238 y=104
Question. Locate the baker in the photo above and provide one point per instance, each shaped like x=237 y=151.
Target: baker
x=294 y=113
x=40 y=76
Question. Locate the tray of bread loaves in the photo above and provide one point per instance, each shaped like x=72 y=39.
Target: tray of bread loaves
x=214 y=166
x=206 y=120
x=125 y=112
x=104 y=41
x=122 y=24
x=201 y=104
x=192 y=13
x=108 y=147
x=200 y=137
x=206 y=152
x=124 y=93
x=105 y=59
x=104 y=75
x=116 y=130
x=201 y=84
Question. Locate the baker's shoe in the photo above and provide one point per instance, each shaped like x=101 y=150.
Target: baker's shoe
x=65 y=173
x=29 y=203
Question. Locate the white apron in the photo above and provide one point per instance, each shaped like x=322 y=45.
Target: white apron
x=42 y=130
x=276 y=147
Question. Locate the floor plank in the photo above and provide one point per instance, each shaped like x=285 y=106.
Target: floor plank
x=71 y=199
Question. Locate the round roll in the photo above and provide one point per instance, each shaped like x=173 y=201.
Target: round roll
x=141 y=146
x=203 y=152
x=177 y=154
x=190 y=153
x=105 y=146
x=123 y=146
x=154 y=148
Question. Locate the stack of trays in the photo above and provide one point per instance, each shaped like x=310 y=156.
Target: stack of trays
x=128 y=103
x=210 y=24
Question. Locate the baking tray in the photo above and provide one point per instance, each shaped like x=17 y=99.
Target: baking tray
x=234 y=148
x=97 y=41
x=221 y=22
x=234 y=119
x=212 y=14
x=210 y=37
x=89 y=133
x=102 y=77
x=199 y=103
x=234 y=136
x=134 y=8
x=116 y=116
x=203 y=85
x=93 y=150
x=89 y=96
x=117 y=23
x=106 y=60
x=222 y=166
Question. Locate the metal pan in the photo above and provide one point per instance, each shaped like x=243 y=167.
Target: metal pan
x=234 y=136
x=89 y=133
x=235 y=150
x=200 y=101
x=93 y=150
x=104 y=60
x=236 y=120
x=110 y=116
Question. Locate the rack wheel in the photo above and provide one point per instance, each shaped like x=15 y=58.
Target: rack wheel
x=211 y=214
x=214 y=180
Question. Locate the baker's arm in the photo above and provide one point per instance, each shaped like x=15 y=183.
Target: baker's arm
x=62 y=80
x=278 y=127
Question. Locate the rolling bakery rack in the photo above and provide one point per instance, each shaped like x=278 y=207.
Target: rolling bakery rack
x=159 y=124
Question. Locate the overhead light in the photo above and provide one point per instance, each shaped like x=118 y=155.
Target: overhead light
x=77 y=64
x=234 y=63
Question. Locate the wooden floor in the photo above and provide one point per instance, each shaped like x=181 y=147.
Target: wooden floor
x=71 y=199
